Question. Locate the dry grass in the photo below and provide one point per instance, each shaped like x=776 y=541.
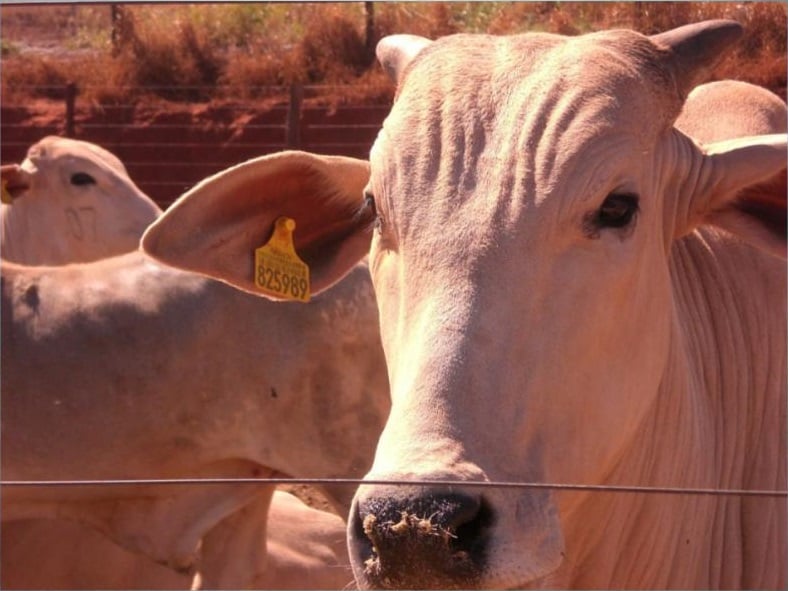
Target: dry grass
x=203 y=52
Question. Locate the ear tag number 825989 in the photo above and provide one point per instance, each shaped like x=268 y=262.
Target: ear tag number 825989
x=277 y=269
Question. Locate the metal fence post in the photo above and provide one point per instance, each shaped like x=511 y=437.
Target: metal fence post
x=293 y=124
x=114 y=18
x=71 y=95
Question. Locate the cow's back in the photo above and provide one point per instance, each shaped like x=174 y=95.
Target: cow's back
x=188 y=371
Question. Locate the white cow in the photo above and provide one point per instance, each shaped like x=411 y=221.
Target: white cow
x=305 y=549
x=73 y=201
x=571 y=290
x=296 y=389
x=60 y=554
x=80 y=557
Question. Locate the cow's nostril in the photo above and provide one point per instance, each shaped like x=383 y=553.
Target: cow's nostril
x=431 y=540
x=470 y=532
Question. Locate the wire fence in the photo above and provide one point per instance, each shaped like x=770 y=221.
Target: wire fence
x=169 y=147
x=443 y=483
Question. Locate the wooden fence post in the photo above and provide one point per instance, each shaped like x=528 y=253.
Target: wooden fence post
x=293 y=124
x=71 y=96
x=369 y=31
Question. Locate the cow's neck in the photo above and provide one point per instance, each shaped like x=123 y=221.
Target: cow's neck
x=732 y=439
x=731 y=322
x=632 y=540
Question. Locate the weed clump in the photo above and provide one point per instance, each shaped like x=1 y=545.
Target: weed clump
x=423 y=545
x=177 y=62
x=203 y=52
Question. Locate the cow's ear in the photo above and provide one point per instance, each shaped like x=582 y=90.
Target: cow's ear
x=744 y=190
x=395 y=53
x=215 y=227
x=15 y=182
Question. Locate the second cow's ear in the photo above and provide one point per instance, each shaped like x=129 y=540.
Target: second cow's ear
x=215 y=227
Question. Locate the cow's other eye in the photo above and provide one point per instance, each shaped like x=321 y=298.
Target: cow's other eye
x=371 y=210
x=369 y=203
x=82 y=178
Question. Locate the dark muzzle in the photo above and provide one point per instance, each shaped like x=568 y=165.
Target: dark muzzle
x=417 y=538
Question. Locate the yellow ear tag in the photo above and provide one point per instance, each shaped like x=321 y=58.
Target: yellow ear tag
x=6 y=196
x=278 y=270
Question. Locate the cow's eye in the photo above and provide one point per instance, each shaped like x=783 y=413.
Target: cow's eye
x=372 y=210
x=82 y=178
x=618 y=210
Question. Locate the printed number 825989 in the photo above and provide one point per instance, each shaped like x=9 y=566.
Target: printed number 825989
x=281 y=282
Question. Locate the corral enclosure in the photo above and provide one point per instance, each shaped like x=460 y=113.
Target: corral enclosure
x=172 y=135
x=179 y=92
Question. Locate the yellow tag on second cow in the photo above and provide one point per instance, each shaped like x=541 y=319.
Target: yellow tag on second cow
x=6 y=196
x=277 y=269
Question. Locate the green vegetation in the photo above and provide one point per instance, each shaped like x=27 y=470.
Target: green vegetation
x=205 y=52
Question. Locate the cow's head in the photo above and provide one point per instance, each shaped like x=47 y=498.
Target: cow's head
x=526 y=192
x=71 y=201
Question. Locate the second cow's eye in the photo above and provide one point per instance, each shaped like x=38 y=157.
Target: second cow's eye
x=82 y=178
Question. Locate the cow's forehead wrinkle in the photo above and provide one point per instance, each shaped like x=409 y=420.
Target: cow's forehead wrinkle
x=551 y=148
x=546 y=102
x=622 y=64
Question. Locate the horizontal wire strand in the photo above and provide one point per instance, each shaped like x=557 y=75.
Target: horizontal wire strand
x=357 y=482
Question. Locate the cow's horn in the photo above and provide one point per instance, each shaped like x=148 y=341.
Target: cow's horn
x=697 y=48
x=395 y=52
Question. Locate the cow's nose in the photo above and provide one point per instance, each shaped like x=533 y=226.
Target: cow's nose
x=418 y=538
